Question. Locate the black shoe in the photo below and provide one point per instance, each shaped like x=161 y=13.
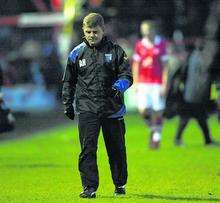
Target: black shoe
x=88 y=193
x=120 y=190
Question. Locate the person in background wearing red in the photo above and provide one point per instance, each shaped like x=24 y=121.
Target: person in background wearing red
x=149 y=78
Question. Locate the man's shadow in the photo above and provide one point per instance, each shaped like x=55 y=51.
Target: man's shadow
x=175 y=198
x=164 y=197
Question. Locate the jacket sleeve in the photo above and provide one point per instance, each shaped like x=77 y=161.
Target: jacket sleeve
x=69 y=83
x=124 y=73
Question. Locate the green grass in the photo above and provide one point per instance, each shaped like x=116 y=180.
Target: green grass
x=44 y=168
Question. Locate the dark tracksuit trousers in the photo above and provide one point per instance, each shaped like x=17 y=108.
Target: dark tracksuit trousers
x=197 y=111
x=113 y=131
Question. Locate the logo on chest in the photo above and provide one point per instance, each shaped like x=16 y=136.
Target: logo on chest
x=108 y=58
x=82 y=62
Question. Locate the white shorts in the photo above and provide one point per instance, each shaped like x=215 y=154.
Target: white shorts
x=149 y=97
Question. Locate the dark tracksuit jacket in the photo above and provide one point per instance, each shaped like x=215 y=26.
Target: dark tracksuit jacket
x=89 y=78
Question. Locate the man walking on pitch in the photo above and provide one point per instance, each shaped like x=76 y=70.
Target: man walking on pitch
x=149 y=78
x=96 y=76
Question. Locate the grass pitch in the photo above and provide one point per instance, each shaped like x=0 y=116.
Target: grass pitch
x=43 y=167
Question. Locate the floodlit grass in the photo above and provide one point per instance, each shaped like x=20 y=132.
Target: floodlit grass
x=44 y=168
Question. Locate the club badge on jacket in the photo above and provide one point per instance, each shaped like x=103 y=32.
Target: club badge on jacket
x=108 y=58
x=82 y=62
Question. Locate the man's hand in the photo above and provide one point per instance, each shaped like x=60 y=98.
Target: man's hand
x=69 y=112
x=163 y=91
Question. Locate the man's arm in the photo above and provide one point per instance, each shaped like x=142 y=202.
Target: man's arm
x=164 y=65
x=125 y=78
x=135 y=71
x=68 y=90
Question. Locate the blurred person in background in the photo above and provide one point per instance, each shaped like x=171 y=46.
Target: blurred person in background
x=196 y=94
x=215 y=65
x=7 y=120
x=51 y=70
x=174 y=85
x=176 y=58
x=149 y=78
x=96 y=76
x=1 y=83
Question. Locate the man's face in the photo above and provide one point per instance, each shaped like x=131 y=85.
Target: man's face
x=147 y=30
x=93 y=35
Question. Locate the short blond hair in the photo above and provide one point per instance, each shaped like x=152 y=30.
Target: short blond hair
x=93 y=20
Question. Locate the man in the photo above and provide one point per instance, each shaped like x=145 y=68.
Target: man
x=96 y=76
x=174 y=84
x=196 y=94
x=149 y=76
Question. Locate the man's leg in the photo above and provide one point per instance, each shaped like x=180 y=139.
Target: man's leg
x=183 y=120
x=202 y=120
x=158 y=105
x=144 y=102
x=156 y=129
x=89 y=127
x=113 y=132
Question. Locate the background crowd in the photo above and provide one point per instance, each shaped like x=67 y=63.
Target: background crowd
x=33 y=54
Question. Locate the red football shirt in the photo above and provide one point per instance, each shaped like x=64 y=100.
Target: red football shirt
x=150 y=58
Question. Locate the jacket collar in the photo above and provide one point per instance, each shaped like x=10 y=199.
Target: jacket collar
x=104 y=41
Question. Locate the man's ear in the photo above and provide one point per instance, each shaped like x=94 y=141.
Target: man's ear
x=83 y=28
